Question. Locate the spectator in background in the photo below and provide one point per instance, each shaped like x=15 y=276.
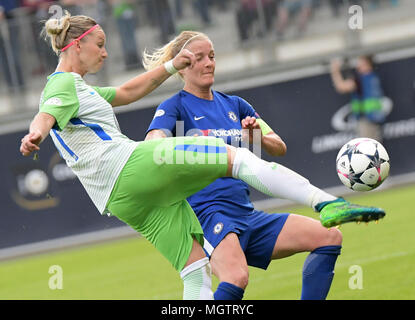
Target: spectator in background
x=221 y=5
x=124 y=15
x=202 y=8
x=366 y=94
x=248 y=13
x=96 y=9
x=39 y=10
x=337 y=5
x=73 y=6
x=374 y=4
x=178 y=9
x=287 y=8
x=161 y=12
x=9 y=44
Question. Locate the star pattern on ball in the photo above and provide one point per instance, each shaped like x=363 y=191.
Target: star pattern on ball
x=363 y=164
x=375 y=162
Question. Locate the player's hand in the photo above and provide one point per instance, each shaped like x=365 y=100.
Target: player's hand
x=252 y=129
x=185 y=58
x=30 y=143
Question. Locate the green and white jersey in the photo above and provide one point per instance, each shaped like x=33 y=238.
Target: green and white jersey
x=86 y=133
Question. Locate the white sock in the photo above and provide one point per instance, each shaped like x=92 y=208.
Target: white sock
x=276 y=180
x=197 y=280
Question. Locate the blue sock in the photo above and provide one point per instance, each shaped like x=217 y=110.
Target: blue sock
x=228 y=291
x=318 y=272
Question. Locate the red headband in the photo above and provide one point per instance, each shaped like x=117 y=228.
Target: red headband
x=80 y=37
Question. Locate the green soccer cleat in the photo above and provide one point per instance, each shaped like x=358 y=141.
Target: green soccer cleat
x=339 y=211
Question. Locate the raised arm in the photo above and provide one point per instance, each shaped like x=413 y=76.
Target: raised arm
x=38 y=131
x=340 y=84
x=145 y=83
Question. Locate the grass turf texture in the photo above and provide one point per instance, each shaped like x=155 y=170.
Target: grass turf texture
x=133 y=269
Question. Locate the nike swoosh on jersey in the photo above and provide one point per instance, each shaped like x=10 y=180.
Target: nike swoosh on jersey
x=198 y=118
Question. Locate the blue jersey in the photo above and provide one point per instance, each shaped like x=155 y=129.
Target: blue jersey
x=185 y=114
x=368 y=87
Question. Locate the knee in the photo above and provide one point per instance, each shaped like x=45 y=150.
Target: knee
x=240 y=278
x=331 y=237
x=335 y=237
x=236 y=276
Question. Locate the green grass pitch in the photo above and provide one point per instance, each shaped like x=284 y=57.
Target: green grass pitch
x=133 y=269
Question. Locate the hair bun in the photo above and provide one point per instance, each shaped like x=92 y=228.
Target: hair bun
x=56 y=26
x=61 y=31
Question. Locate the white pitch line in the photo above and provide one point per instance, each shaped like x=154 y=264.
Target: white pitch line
x=278 y=275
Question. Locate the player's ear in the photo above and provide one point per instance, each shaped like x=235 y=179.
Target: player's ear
x=77 y=44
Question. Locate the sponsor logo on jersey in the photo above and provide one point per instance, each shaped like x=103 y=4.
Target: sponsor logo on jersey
x=234 y=134
x=53 y=102
x=159 y=113
x=224 y=132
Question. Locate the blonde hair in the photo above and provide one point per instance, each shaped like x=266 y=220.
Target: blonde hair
x=171 y=49
x=62 y=31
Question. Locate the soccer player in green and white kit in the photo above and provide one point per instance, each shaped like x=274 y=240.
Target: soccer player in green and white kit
x=145 y=184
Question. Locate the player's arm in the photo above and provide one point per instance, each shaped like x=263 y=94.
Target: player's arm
x=155 y=134
x=270 y=141
x=145 y=83
x=341 y=84
x=164 y=121
x=38 y=131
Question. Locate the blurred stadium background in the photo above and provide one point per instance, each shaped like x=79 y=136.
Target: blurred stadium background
x=285 y=76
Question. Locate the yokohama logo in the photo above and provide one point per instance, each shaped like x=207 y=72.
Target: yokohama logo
x=223 y=132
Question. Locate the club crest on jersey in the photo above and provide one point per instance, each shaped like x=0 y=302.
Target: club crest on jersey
x=232 y=116
x=218 y=228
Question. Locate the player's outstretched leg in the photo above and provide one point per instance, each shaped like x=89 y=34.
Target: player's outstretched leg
x=278 y=181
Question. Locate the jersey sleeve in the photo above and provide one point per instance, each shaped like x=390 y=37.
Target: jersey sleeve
x=245 y=109
x=165 y=118
x=60 y=100
x=108 y=93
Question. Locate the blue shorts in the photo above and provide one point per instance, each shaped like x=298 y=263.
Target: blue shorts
x=257 y=233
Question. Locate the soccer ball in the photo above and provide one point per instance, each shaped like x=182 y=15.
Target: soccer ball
x=362 y=164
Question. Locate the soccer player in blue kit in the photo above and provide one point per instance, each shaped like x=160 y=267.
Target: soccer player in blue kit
x=236 y=235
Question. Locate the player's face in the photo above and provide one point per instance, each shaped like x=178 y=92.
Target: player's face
x=363 y=65
x=94 y=53
x=202 y=75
